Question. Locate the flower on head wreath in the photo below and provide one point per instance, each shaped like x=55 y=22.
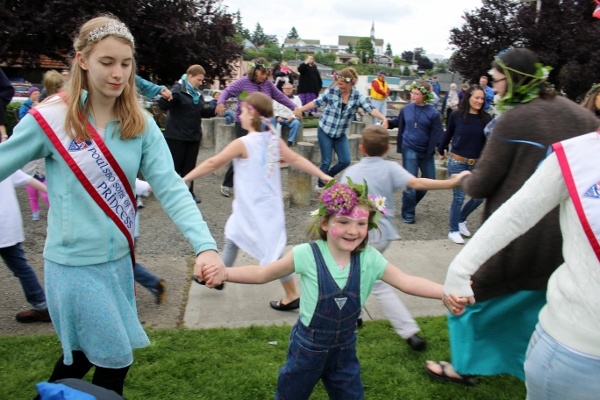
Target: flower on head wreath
x=340 y=199
x=346 y=79
x=254 y=64
x=521 y=92
x=427 y=94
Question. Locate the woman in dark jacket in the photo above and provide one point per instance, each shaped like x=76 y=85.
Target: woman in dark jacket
x=310 y=83
x=183 y=130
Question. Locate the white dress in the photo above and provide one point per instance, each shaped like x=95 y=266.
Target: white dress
x=257 y=223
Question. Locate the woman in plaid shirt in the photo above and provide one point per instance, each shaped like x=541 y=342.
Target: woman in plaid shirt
x=341 y=101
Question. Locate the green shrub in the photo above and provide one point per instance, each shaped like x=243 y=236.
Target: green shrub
x=11 y=116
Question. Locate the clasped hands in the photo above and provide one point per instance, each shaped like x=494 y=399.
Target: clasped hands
x=209 y=268
x=456 y=305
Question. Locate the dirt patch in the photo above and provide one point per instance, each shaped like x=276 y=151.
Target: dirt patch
x=164 y=250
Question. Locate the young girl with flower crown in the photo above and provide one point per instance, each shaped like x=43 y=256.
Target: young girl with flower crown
x=257 y=224
x=337 y=271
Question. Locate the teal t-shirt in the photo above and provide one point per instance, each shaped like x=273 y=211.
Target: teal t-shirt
x=372 y=265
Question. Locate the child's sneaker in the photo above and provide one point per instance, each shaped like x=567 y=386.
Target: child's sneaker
x=160 y=292
x=35 y=216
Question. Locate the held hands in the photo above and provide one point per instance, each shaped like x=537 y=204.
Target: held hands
x=384 y=123
x=220 y=109
x=443 y=156
x=214 y=275
x=456 y=305
x=166 y=94
x=456 y=178
x=298 y=112
x=209 y=258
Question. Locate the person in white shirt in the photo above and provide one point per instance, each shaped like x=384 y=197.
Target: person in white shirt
x=283 y=116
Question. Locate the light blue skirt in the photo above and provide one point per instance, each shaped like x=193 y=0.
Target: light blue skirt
x=93 y=310
x=491 y=337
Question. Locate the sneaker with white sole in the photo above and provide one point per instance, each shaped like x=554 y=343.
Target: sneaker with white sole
x=462 y=228
x=139 y=202
x=225 y=191
x=456 y=237
x=319 y=189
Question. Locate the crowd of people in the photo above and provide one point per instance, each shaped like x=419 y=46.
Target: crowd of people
x=514 y=293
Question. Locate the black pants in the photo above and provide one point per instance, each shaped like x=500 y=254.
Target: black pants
x=185 y=155
x=228 y=179
x=108 y=378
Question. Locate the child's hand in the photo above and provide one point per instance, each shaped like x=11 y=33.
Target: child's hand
x=456 y=178
x=214 y=274
x=206 y=259
x=456 y=305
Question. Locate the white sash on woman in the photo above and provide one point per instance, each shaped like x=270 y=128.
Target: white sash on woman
x=94 y=166
x=575 y=156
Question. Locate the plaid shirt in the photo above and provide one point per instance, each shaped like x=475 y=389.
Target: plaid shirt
x=334 y=122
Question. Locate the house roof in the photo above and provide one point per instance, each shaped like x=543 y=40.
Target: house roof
x=300 y=41
x=344 y=40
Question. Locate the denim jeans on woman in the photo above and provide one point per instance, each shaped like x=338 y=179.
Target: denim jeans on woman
x=458 y=213
x=14 y=258
x=328 y=145
x=413 y=161
x=554 y=372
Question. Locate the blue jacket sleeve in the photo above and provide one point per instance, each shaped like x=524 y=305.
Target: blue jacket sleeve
x=147 y=88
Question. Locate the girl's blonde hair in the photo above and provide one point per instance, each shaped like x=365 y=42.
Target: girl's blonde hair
x=130 y=115
x=53 y=81
x=263 y=105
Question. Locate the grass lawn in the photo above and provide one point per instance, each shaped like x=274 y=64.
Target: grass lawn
x=243 y=364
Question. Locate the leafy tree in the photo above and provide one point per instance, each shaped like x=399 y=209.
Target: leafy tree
x=562 y=35
x=258 y=37
x=350 y=48
x=364 y=49
x=165 y=45
x=293 y=34
x=239 y=27
x=406 y=71
x=424 y=63
x=441 y=68
x=388 y=50
x=407 y=55
x=326 y=59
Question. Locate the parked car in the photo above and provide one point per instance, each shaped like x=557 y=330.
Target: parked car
x=21 y=91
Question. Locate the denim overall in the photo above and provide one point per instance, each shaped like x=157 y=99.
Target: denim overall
x=326 y=349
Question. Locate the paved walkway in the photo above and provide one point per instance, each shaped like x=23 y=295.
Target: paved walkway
x=244 y=305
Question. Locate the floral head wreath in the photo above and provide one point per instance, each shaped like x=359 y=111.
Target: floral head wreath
x=340 y=199
x=346 y=79
x=253 y=64
x=427 y=94
x=521 y=92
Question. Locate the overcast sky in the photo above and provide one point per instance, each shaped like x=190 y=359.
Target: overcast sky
x=404 y=24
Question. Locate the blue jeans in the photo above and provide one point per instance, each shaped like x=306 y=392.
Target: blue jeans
x=381 y=106
x=294 y=126
x=308 y=359
x=413 y=161
x=458 y=213
x=553 y=372
x=14 y=257
x=328 y=145
x=144 y=277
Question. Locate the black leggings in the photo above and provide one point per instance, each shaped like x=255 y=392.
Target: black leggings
x=108 y=378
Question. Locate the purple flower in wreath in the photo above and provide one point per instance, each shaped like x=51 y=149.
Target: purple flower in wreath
x=339 y=199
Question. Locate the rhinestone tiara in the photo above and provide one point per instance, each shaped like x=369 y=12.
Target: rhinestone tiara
x=111 y=29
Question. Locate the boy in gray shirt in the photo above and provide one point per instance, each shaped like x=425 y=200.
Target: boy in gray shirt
x=384 y=177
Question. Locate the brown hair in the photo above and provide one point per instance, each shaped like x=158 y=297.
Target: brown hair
x=375 y=140
x=130 y=114
x=53 y=82
x=589 y=101
x=195 y=69
x=263 y=105
x=260 y=65
x=348 y=73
